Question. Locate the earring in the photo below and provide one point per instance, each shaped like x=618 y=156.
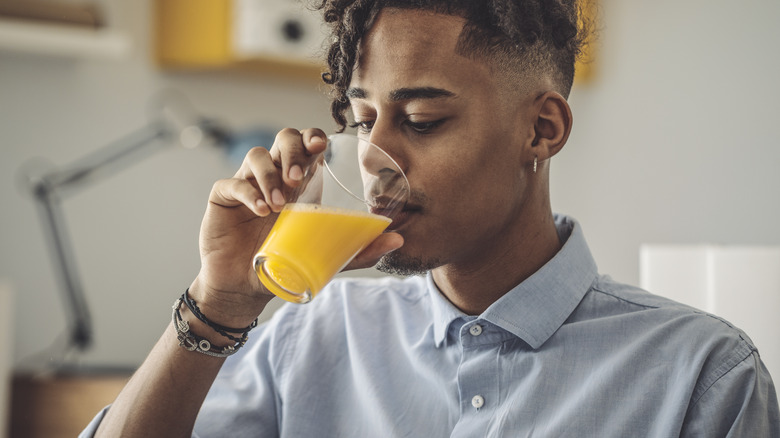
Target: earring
x=535 y=159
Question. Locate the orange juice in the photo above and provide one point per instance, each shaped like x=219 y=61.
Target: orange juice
x=309 y=244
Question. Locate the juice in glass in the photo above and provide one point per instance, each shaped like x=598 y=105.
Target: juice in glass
x=309 y=244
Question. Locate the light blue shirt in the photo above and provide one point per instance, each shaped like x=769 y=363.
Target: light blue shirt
x=567 y=353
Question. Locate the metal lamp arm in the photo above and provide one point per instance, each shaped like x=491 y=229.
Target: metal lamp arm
x=47 y=194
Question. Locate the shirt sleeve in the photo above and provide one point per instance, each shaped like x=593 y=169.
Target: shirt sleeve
x=740 y=401
x=92 y=427
x=243 y=400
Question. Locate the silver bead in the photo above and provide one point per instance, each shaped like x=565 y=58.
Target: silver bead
x=189 y=344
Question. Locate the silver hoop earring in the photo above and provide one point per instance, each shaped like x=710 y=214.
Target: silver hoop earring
x=535 y=159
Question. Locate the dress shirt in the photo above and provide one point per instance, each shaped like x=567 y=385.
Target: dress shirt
x=566 y=353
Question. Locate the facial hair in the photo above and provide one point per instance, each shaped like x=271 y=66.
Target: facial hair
x=397 y=263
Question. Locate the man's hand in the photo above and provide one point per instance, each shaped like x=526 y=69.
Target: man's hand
x=240 y=213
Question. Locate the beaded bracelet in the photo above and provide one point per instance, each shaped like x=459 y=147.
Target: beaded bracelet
x=192 y=342
x=221 y=329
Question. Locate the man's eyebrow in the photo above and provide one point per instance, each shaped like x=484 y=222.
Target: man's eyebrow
x=405 y=93
x=419 y=93
x=356 y=93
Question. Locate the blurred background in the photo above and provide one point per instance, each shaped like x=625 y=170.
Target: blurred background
x=675 y=141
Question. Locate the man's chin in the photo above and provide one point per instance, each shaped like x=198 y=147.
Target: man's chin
x=397 y=263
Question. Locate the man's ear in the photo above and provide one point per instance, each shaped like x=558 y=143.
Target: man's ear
x=552 y=126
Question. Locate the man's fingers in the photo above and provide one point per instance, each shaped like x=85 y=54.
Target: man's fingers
x=314 y=140
x=382 y=245
x=295 y=151
x=234 y=192
x=269 y=172
x=259 y=168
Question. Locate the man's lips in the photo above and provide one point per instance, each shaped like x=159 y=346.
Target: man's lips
x=399 y=218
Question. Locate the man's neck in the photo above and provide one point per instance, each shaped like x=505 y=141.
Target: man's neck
x=473 y=285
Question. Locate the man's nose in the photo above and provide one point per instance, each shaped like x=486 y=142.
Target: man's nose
x=383 y=178
x=386 y=136
x=375 y=161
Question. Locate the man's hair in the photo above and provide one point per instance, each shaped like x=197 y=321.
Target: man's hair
x=519 y=37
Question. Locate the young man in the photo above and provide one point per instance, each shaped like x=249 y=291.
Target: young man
x=511 y=332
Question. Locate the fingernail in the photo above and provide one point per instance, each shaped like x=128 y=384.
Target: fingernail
x=277 y=197
x=262 y=207
x=317 y=139
x=296 y=173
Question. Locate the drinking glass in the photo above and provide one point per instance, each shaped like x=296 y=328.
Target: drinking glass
x=347 y=198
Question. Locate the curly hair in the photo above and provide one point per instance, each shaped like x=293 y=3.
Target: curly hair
x=539 y=36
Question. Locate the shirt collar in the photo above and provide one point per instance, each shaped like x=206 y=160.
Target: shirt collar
x=537 y=307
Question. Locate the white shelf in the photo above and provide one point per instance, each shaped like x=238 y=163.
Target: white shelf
x=62 y=40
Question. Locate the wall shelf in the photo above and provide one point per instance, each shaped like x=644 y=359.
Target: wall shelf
x=279 y=37
x=63 y=41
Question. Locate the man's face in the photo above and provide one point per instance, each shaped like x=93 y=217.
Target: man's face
x=452 y=127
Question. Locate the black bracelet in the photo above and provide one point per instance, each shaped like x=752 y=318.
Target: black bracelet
x=222 y=330
x=192 y=342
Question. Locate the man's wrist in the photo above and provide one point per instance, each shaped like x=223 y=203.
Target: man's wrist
x=227 y=309
x=201 y=329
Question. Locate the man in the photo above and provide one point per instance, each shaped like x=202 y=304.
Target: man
x=511 y=333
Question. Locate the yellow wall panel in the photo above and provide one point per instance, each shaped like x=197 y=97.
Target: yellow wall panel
x=193 y=33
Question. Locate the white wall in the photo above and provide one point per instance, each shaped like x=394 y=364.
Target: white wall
x=135 y=234
x=676 y=139
x=673 y=142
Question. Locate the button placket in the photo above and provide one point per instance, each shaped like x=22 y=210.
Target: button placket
x=477 y=377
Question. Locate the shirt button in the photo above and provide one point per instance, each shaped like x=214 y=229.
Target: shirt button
x=475 y=330
x=477 y=401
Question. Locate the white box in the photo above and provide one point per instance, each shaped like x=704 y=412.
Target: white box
x=738 y=283
x=277 y=28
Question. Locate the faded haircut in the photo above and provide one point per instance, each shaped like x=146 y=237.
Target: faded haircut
x=518 y=37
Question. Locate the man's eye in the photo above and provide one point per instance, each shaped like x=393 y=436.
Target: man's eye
x=363 y=126
x=424 y=127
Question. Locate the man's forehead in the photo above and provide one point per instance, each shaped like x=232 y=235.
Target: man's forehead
x=411 y=32
x=422 y=24
x=409 y=49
